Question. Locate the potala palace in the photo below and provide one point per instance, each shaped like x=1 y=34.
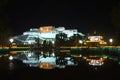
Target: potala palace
x=43 y=33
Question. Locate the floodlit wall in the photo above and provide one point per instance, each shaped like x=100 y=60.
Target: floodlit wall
x=47 y=33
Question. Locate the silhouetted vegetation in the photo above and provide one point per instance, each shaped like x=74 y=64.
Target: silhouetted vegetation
x=5 y=32
x=116 y=22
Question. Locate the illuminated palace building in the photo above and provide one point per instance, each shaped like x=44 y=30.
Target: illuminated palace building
x=47 y=33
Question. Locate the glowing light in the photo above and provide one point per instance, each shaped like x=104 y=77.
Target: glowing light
x=95 y=63
x=46 y=29
x=95 y=38
x=41 y=52
x=80 y=41
x=29 y=55
x=11 y=58
x=46 y=65
x=11 y=40
x=80 y=55
x=53 y=42
x=110 y=40
x=53 y=54
x=29 y=42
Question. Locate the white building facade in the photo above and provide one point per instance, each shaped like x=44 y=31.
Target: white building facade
x=43 y=33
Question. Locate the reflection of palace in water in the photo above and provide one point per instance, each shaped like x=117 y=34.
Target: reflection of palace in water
x=43 y=33
x=46 y=60
x=60 y=59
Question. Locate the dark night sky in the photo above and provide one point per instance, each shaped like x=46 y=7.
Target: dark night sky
x=85 y=15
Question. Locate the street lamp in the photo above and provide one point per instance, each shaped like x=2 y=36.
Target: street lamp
x=53 y=43
x=11 y=41
x=111 y=41
x=80 y=41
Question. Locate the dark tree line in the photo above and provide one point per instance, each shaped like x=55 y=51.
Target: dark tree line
x=5 y=32
x=116 y=22
x=63 y=40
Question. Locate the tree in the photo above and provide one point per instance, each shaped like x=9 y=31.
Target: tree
x=61 y=39
x=3 y=2
x=116 y=22
x=116 y=17
x=74 y=40
x=4 y=30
